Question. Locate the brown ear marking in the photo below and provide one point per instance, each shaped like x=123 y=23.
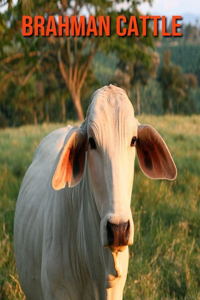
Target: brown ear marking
x=147 y=160
x=78 y=158
x=76 y=165
x=153 y=154
x=70 y=166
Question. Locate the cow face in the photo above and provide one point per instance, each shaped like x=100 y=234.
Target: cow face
x=111 y=135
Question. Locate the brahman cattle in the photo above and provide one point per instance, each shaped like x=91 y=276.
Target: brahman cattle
x=73 y=221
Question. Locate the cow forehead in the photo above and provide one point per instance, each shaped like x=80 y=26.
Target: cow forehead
x=110 y=105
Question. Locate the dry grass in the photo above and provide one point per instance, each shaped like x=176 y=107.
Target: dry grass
x=165 y=257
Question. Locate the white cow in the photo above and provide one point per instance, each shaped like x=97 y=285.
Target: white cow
x=73 y=220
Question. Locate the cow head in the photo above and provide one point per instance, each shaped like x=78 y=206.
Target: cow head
x=111 y=135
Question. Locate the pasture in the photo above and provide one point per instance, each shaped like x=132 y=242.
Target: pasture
x=165 y=258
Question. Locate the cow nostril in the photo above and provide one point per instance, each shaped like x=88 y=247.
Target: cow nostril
x=110 y=234
x=118 y=234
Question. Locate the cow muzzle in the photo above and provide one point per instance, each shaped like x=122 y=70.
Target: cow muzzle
x=117 y=231
x=118 y=236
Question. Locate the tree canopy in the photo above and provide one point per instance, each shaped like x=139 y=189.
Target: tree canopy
x=70 y=57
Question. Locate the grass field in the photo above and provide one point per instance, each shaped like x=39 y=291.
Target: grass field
x=165 y=257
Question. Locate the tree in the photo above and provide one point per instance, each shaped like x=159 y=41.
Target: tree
x=131 y=74
x=73 y=55
x=137 y=61
x=191 y=81
x=191 y=34
x=172 y=84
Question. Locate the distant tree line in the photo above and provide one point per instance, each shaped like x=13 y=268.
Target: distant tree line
x=176 y=88
x=190 y=35
x=52 y=79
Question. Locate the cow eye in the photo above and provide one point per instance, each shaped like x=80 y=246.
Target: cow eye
x=92 y=143
x=133 y=141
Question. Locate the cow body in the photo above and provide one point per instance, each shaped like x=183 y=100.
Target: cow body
x=66 y=244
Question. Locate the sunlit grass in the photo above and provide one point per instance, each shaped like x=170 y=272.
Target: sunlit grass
x=165 y=257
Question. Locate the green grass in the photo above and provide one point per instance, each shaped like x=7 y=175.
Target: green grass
x=165 y=257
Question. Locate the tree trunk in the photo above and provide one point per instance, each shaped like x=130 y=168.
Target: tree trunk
x=35 y=117
x=77 y=104
x=138 y=98
x=165 y=101
x=63 y=109
x=73 y=87
x=41 y=113
x=47 y=111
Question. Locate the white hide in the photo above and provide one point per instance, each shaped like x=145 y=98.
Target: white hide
x=60 y=237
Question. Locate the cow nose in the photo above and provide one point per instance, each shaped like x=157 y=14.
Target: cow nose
x=118 y=235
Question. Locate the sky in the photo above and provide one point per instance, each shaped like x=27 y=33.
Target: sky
x=169 y=7
x=172 y=7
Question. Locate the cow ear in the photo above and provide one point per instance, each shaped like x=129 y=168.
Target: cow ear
x=154 y=157
x=70 y=166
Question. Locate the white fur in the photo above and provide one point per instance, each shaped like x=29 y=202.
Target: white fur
x=60 y=236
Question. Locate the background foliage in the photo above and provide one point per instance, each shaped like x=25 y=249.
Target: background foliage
x=33 y=70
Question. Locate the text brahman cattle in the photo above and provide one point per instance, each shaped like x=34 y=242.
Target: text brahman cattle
x=73 y=220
